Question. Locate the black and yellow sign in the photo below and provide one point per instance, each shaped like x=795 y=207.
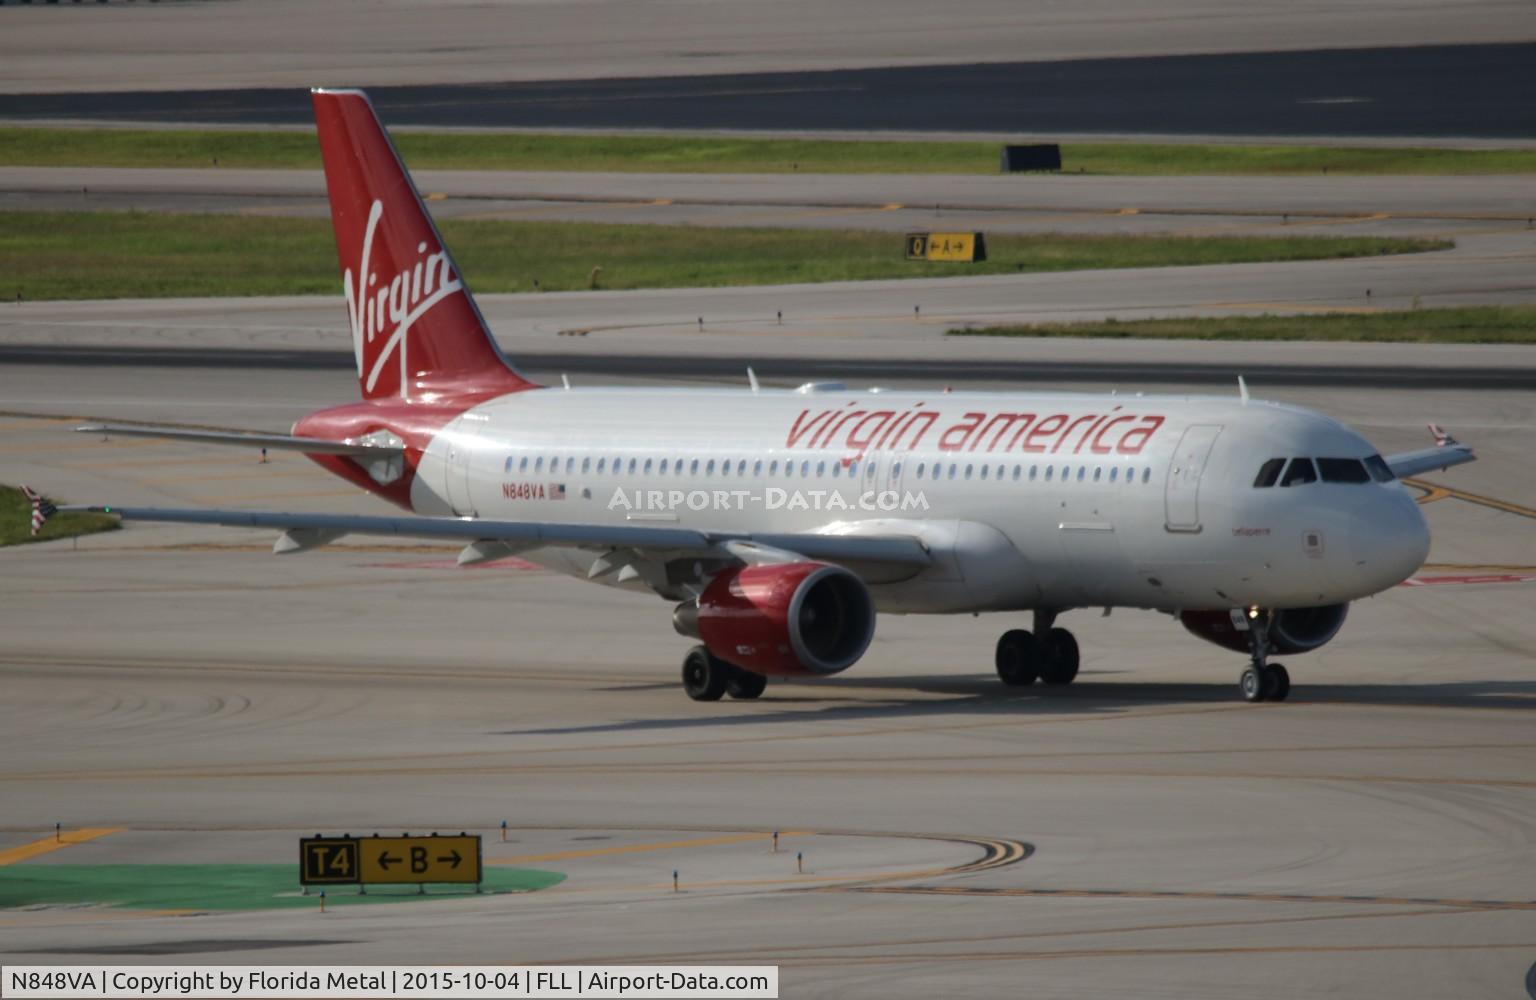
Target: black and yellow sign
x=968 y=247
x=328 y=861
x=414 y=860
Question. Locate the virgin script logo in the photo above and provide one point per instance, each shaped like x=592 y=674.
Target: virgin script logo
x=395 y=306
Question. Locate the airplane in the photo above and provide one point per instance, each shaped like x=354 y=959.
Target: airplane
x=781 y=522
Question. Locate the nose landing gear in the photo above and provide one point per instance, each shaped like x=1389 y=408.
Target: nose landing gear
x=1263 y=681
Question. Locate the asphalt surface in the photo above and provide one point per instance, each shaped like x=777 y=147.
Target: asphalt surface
x=298 y=44
x=212 y=703
x=1432 y=91
x=1328 y=198
x=690 y=367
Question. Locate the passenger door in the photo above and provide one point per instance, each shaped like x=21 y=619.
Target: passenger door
x=1182 y=495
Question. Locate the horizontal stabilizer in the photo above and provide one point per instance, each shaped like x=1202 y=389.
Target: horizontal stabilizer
x=274 y=442
x=1446 y=453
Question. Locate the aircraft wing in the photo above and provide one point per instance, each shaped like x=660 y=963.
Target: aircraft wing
x=275 y=442
x=1446 y=453
x=303 y=531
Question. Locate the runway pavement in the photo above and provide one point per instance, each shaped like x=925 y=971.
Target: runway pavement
x=1436 y=91
x=1371 y=836
x=296 y=44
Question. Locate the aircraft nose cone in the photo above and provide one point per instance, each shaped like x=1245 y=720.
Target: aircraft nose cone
x=1389 y=541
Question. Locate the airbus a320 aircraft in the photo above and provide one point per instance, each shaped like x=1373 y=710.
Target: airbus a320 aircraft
x=778 y=521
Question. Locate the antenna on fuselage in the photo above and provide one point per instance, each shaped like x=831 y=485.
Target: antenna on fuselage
x=1242 y=390
x=752 y=379
x=565 y=380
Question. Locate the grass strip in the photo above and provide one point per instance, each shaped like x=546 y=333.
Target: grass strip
x=84 y=147
x=16 y=521
x=1465 y=325
x=97 y=255
x=222 y=887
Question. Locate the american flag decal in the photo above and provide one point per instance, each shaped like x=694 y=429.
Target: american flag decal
x=557 y=491
x=42 y=509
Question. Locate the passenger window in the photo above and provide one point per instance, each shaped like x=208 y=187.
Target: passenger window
x=984 y=472
x=1343 y=470
x=757 y=467
x=1098 y=471
x=648 y=467
x=1269 y=473
x=586 y=465
x=921 y=467
x=968 y=470
x=523 y=465
x=1114 y=471
x=539 y=465
x=1032 y=470
x=601 y=463
x=709 y=468
x=805 y=470
x=1050 y=470
x=693 y=467
x=837 y=469
x=1146 y=475
x=952 y=470
x=1080 y=470
x=1379 y=469
x=663 y=467
x=1016 y=470
x=1299 y=471
x=632 y=463
x=773 y=467
x=821 y=469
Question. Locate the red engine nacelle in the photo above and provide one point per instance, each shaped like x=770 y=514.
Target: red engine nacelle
x=787 y=619
x=1294 y=630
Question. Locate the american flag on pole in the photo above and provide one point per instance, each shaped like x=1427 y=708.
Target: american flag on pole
x=42 y=509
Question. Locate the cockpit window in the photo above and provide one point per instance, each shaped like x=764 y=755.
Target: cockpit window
x=1343 y=470
x=1269 y=474
x=1379 y=469
x=1299 y=471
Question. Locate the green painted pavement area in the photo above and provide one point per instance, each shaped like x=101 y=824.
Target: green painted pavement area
x=223 y=887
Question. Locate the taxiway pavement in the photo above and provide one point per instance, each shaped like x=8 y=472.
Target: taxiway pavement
x=1371 y=836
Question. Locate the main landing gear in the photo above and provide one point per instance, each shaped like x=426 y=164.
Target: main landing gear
x=706 y=677
x=1263 y=681
x=1048 y=654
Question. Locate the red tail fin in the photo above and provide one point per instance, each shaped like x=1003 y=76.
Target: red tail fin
x=416 y=331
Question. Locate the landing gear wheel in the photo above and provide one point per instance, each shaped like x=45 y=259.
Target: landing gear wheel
x=744 y=684
x=1278 y=681
x=1060 y=660
x=704 y=676
x=1018 y=658
x=1252 y=684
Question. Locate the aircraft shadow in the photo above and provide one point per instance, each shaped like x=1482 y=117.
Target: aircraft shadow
x=981 y=695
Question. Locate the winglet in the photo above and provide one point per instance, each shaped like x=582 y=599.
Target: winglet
x=1442 y=436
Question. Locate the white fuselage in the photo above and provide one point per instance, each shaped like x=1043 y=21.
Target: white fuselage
x=1025 y=500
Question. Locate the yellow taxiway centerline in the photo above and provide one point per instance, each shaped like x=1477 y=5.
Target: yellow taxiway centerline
x=48 y=845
